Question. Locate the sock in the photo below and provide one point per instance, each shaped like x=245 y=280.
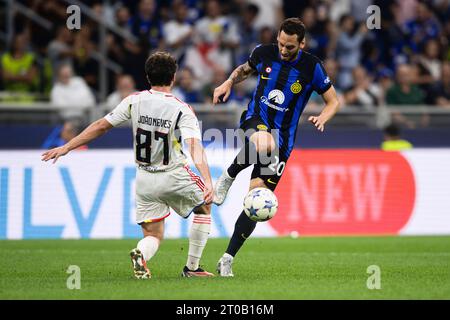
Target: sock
x=148 y=246
x=244 y=159
x=198 y=236
x=242 y=230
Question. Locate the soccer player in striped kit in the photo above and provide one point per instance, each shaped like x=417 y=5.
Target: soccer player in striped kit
x=287 y=76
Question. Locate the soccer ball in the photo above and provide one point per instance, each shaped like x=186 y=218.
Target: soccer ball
x=260 y=204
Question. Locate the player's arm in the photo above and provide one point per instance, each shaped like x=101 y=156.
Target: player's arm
x=238 y=75
x=331 y=107
x=198 y=155
x=93 y=131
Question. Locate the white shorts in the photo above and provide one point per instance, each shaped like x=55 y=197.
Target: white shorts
x=157 y=192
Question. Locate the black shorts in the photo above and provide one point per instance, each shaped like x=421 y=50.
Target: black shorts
x=271 y=168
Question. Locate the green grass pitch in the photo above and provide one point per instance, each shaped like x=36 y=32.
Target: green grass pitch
x=275 y=268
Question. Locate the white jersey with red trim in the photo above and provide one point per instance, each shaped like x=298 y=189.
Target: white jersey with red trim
x=160 y=122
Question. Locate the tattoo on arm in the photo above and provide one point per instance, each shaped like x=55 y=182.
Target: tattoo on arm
x=241 y=73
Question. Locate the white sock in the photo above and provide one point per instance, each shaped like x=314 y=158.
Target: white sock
x=148 y=246
x=198 y=237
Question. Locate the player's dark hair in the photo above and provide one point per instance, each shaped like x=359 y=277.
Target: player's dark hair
x=293 y=26
x=160 y=69
x=392 y=130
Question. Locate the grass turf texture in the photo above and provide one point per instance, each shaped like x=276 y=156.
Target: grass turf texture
x=276 y=268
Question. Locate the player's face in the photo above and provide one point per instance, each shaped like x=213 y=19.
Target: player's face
x=289 y=46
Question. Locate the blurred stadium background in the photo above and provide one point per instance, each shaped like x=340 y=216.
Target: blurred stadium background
x=54 y=81
x=393 y=83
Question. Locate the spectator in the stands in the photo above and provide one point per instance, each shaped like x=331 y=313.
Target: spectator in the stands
x=84 y=63
x=130 y=55
x=348 y=49
x=270 y=13
x=393 y=141
x=358 y=9
x=267 y=35
x=178 y=32
x=427 y=68
x=405 y=93
x=19 y=71
x=240 y=94
x=185 y=87
x=318 y=35
x=216 y=36
x=41 y=34
x=316 y=101
x=385 y=78
x=71 y=93
x=69 y=131
x=247 y=32
x=364 y=92
x=219 y=76
x=125 y=86
x=146 y=25
x=429 y=60
x=441 y=90
x=423 y=27
x=446 y=40
x=63 y=134
x=332 y=68
x=115 y=42
x=60 y=49
x=123 y=17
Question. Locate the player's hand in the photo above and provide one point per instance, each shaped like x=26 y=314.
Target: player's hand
x=54 y=153
x=222 y=92
x=318 y=122
x=208 y=193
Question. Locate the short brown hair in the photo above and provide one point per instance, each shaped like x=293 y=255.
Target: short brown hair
x=160 y=69
x=293 y=26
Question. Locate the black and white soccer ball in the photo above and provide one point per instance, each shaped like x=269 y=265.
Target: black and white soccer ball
x=260 y=204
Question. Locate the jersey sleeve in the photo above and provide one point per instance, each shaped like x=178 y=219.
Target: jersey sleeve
x=188 y=125
x=255 y=57
x=321 y=82
x=121 y=113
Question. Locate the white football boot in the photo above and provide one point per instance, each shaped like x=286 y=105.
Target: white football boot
x=224 y=266
x=221 y=188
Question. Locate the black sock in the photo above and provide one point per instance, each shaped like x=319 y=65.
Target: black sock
x=242 y=230
x=244 y=159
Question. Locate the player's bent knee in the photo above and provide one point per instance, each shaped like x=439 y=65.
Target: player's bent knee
x=203 y=209
x=154 y=229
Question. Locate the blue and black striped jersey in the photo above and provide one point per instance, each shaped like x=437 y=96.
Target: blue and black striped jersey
x=283 y=89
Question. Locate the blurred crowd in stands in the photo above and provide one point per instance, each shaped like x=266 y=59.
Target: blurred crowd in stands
x=405 y=62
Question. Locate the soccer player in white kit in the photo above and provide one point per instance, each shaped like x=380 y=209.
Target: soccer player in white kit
x=163 y=179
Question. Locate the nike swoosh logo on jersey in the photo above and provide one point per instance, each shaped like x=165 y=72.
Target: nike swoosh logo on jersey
x=265 y=78
x=269 y=181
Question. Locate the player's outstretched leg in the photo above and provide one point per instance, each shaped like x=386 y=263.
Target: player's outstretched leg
x=260 y=144
x=242 y=230
x=245 y=158
x=146 y=248
x=198 y=236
